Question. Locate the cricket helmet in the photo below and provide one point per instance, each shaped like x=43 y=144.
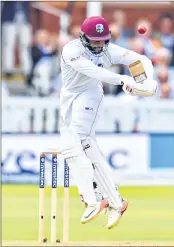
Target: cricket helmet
x=94 y=28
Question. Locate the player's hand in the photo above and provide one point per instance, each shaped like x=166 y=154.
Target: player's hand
x=146 y=88
x=128 y=83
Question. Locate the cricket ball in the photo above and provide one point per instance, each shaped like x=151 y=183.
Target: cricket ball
x=142 y=29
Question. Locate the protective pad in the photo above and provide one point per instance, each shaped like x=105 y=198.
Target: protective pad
x=102 y=172
x=80 y=166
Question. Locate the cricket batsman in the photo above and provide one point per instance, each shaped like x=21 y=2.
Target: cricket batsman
x=84 y=64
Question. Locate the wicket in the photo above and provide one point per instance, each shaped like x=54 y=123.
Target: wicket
x=53 y=199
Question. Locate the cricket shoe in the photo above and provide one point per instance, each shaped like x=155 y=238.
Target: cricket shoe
x=82 y=200
x=99 y=198
x=114 y=215
x=92 y=211
x=123 y=209
x=124 y=206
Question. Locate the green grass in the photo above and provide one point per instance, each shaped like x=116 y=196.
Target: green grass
x=150 y=215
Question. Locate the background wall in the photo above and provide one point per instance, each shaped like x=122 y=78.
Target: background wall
x=78 y=10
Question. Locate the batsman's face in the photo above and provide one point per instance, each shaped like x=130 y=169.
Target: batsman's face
x=97 y=45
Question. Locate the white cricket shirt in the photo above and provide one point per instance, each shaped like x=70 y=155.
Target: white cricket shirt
x=81 y=69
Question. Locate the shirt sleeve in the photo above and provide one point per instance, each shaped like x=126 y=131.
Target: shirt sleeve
x=84 y=66
x=120 y=55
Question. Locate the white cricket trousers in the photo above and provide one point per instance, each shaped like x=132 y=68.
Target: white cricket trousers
x=79 y=113
x=80 y=110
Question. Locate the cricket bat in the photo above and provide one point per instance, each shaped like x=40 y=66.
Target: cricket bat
x=137 y=71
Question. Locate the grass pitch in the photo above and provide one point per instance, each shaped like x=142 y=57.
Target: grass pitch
x=149 y=220
x=113 y=243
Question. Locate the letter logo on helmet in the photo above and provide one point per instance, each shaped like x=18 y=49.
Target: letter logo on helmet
x=99 y=28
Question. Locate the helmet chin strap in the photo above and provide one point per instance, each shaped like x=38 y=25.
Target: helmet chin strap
x=94 y=49
x=86 y=43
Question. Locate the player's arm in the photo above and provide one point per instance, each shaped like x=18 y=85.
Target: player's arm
x=86 y=67
x=120 y=55
x=140 y=68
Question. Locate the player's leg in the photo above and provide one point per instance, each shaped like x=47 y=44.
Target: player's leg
x=80 y=165
x=104 y=180
x=100 y=196
x=83 y=173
